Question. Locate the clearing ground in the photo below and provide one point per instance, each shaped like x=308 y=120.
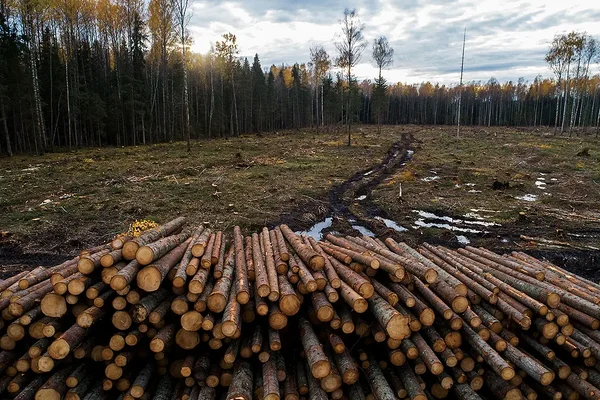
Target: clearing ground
x=489 y=187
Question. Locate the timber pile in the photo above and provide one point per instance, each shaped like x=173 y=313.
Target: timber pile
x=193 y=314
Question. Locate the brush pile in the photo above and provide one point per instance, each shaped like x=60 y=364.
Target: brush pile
x=188 y=313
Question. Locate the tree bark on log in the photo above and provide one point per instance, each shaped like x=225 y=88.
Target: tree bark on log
x=131 y=247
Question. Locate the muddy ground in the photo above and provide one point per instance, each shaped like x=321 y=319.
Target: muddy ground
x=365 y=201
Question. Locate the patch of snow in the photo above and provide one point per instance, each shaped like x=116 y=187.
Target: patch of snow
x=368 y=172
x=428 y=215
x=430 y=178
x=30 y=169
x=363 y=230
x=527 y=197
x=391 y=224
x=463 y=239
x=540 y=185
x=474 y=191
x=484 y=210
x=360 y=198
x=470 y=184
x=553 y=179
x=449 y=227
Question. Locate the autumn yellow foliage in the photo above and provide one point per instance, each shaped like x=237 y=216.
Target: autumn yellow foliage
x=137 y=227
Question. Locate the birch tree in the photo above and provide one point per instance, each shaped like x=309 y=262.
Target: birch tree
x=383 y=57
x=319 y=60
x=350 y=46
x=182 y=18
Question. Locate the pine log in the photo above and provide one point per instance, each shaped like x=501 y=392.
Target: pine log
x=165 y=255
x=198 y=281
x=131 y=247
x=206 y=259
x=217 y=299
x=141 y=311
x=261 y=276
x=55 y=387
x=125 y=276
x=243 y=381
x=231 y=315
x=491 y=357
x=306 y=253
x=317 y=361
x=248 y=257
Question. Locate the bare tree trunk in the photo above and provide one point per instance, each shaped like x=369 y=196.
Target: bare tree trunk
x=562 y=127
x=348 y=109
x=186 y=103
x=237 y=126
x=5 y=126
x=68 y=87
x=322 y=114
x=212 y=100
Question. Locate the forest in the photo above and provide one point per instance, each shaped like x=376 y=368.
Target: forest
x=77 y=73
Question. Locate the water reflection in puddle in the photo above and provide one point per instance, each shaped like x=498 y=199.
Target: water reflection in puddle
x=463 y=239
x=391 y=224
x=316 y=231
x=363 y=230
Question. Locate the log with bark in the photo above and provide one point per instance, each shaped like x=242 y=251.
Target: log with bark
x=282 y=315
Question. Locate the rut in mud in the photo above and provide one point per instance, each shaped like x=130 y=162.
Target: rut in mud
x=351 y=209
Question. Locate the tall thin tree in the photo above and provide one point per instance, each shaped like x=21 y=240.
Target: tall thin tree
x=350 y=47
x=462 y=64
x=182 y=20
x=383 y=56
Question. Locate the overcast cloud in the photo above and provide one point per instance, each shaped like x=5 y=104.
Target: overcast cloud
x=505 y=39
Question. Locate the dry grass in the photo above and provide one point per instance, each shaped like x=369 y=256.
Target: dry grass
x=70 y=199
x=454 y=176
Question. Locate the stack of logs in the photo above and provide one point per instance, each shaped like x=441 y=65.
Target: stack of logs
x=180 y=313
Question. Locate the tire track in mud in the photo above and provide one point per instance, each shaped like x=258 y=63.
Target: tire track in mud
x=346 y=214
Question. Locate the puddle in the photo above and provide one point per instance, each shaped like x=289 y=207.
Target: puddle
x=361 y=198
x=527 y=197
x=463 y=239
x=428 y=215
x=363 y=230
x=421 y=223
x=316 y=231
x=430 y=178
x=391 y=224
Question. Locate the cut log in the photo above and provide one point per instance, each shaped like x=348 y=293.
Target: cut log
x=262 y=287
x=131 y=247
x=217 y=300
x=306 y=253
x=317 y=361
x=151 y=276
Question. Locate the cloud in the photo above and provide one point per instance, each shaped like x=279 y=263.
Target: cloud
x=507 y=42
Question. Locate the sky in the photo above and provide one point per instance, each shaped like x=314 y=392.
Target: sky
x=506 y=39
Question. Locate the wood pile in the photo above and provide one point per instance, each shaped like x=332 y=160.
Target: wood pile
x=180 y=313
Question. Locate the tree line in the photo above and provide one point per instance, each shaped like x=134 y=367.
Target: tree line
x=76 y=73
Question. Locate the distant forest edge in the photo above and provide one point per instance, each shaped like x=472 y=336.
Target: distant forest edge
x=77 y=73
